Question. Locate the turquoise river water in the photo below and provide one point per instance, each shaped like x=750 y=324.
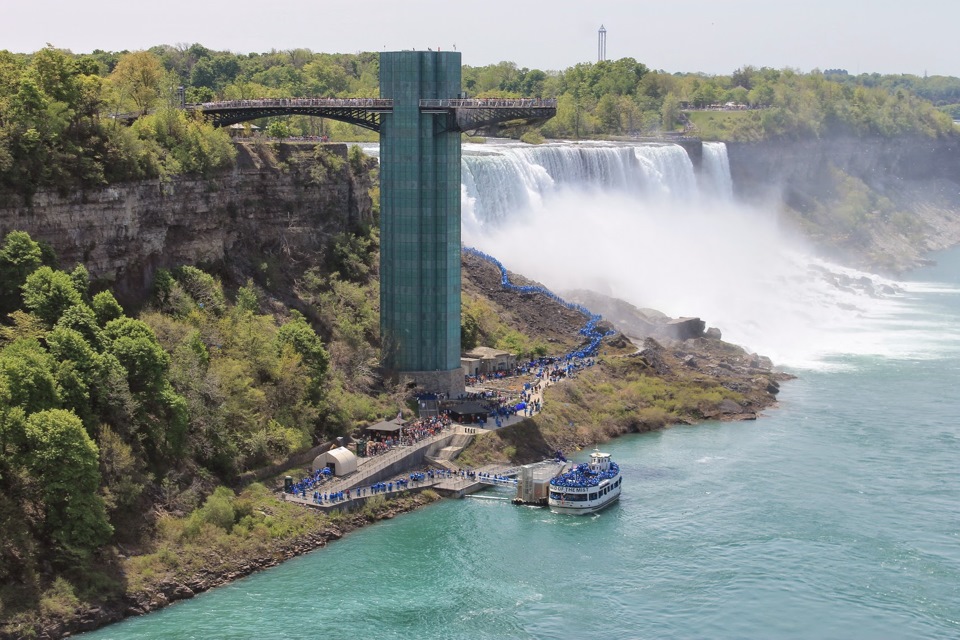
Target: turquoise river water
x=836 y=515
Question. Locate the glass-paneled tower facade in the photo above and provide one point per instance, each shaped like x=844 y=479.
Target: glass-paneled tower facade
x=420 y=221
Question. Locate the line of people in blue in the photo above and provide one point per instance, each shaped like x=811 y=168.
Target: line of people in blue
x=398 y=484
x=589 y=330
x=495 y=478
x=307 y=483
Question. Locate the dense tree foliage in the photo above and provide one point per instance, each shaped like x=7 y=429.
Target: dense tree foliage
x=58 y=124
x=623 y=97
x=57 y=129
x=103 y=414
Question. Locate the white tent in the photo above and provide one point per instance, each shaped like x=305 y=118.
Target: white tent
x=340 y=461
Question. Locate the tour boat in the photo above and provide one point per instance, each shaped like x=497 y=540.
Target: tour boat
x=587 y=488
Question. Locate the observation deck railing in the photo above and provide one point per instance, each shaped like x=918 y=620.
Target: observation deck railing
x=383 y=104
x=460 y=114
x=490 y=103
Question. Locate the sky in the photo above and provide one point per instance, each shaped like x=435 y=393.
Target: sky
x=709 y=36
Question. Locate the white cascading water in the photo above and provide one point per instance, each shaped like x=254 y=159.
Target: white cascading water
x=639 y=223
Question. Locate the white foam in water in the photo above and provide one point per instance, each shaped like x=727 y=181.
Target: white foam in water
x=637 y=222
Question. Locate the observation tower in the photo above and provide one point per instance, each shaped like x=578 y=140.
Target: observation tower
x=420 y=209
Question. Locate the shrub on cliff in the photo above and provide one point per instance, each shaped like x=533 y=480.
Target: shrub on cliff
x=56 y=132
x=19 y=257
x=184 y=143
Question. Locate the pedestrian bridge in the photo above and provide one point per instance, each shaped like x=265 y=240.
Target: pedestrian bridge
x=500 y=478
x=453 y=115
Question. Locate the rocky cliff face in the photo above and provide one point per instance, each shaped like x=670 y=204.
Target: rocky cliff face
x=902 y=195
x=275 y=202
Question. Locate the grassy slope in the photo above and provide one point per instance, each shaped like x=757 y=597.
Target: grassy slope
x=635 y=393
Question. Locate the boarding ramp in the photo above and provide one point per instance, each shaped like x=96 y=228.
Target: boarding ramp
x=500 y=478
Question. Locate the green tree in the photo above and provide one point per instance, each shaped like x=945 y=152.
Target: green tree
x=123 y=473
x=304 y=340
x=63 y=458
x=278 y=128
x=185 y=143
x=705 y=95
x=19 y=257
x=608 y=111
x=205 y=290
x=469 y=330
x=217 y=510
x=248 y=301
x=29 y=371
x=106 y=308
x=81 y=281
x=137 y=77
x=669 y=112
x=135 y=346
x=66 y=344
x=48 y=294
x=82 y=319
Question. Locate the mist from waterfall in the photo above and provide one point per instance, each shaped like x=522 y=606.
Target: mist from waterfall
x=637 y=222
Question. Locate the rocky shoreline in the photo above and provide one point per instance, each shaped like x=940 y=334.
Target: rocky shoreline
x=172 y=591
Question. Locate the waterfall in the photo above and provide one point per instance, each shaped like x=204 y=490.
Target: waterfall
x=638 y=222
x=501 y=180
x=715 y=175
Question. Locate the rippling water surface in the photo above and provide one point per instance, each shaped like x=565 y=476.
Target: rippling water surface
x=835 y=516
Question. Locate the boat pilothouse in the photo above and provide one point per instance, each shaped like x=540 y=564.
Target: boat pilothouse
x=587 y=488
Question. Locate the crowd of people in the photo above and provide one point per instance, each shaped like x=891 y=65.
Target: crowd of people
x=421 y=428
x=267 y=103
x=409 y=434
x=307 y=483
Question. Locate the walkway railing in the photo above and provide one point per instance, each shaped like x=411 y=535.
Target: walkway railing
x=500 y=477
x=278 y=103
x=489 y=103
x=498 y=482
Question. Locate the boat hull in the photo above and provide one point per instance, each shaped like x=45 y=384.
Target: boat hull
x=583 y=508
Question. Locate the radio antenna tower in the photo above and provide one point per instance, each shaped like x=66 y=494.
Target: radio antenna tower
x=601 y=44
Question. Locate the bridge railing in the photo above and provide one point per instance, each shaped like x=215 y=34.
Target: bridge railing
x=486 y=103
x=498 y=482
x=275 y=103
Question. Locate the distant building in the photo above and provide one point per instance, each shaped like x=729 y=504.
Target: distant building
x=487 y=360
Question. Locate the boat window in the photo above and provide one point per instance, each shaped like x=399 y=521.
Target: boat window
x=556 y=495
x=593 y=496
